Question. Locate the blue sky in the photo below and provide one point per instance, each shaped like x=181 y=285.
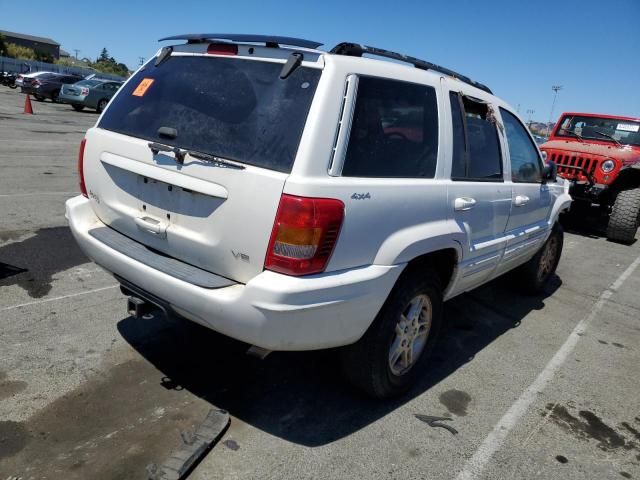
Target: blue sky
x=519 y=48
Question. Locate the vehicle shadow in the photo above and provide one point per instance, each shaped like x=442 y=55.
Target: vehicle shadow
x=300 y=396
x=588 y=222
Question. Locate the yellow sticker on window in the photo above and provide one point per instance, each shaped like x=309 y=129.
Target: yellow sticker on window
x=142 y=87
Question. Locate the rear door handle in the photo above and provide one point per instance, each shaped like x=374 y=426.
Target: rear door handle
x=464 y=203
x=152 y=225
x=520 y=200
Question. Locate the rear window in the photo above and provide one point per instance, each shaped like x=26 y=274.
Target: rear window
x=88 y=83
x=232 y=108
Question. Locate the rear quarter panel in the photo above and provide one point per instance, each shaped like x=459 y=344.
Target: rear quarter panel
x=401 y=218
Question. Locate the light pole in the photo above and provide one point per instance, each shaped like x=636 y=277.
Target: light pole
x=556 y=89
x=530 y=113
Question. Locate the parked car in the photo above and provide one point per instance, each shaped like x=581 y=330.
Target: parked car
x=292 y=198
x=47 y=85
x=8 y=79
x=600 y=155
x=93 y=93
x=21 y=77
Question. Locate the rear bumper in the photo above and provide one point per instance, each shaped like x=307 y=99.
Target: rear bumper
x=71 y=99
x=272 y=311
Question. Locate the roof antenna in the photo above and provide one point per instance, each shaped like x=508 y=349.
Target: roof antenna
x=293 y=62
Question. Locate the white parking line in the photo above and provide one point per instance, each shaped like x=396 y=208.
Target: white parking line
x=496 y=438
x=35 y=194
x=53 y=299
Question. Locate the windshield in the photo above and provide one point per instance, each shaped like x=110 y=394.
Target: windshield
x=626 y=132
x=231 y=108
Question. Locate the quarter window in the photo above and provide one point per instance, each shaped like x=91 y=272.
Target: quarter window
x=476 y=150
x=394 y=132
x=525 y=162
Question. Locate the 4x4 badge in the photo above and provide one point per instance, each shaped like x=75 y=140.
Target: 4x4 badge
x=361 y=196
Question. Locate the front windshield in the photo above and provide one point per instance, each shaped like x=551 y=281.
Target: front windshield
x=626 y=132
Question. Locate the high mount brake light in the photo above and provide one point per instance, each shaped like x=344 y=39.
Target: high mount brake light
x=222 y=49
x=304 y=234
x=83 y=188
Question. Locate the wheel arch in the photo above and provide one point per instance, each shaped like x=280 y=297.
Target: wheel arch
x=444 y=262
x=629 y=177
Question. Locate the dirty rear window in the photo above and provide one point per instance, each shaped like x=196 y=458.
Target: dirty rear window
x=228 y=107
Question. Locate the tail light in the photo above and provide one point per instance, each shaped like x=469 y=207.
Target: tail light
x=83 y=187
x=222 y=49
x=304 y=234
x=84 y=91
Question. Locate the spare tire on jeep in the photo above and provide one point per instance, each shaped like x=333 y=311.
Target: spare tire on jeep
x=625 y=216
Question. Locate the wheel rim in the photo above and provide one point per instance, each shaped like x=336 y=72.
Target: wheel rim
x=101 y=105
x=411 y=334
x=547 y=260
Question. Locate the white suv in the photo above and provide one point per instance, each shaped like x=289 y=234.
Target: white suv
x=298 y=199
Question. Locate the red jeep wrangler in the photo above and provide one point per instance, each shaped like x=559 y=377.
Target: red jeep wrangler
x=600 y=154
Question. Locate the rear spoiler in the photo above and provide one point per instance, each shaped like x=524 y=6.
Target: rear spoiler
x=268 y=40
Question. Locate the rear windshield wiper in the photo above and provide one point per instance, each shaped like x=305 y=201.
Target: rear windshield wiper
x=608 y=136
x=222 y=162
x=160 y=147
x=181 y=154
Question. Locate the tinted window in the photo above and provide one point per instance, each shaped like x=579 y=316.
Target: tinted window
x=88 y=83
x=394 y=131
x=482 y=160
x=458 y=166
x=233 y=108
x=525 y=162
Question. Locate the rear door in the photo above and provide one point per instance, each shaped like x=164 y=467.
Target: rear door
x=216 y=214
x=532 y=200
x=478 y=198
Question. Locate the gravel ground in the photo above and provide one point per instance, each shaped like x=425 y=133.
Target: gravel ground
x=533 y=387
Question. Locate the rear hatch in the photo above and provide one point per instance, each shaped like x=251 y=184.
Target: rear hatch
x=214 y=214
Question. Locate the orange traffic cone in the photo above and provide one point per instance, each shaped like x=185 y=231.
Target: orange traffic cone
x=27 y=106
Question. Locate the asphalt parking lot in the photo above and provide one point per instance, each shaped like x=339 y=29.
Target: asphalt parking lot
x=529 y=387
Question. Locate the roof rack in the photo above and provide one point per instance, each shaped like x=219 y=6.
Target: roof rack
x=357 y=50
x=268 y=40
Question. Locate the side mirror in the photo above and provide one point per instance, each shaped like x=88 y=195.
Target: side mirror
x=544 y=156
x=550 y=172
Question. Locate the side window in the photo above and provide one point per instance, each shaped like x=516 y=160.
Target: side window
x=525 y=161
x=394 y=132
x=476 y=149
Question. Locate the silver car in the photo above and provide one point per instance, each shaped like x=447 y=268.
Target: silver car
x=92 y=93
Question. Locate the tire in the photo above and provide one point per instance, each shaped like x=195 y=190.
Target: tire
x=532 y=277
x=78 y=108
x=13 y=87
x=39 y=98
x=102 y=104
x=625 y=217
x=368 y=363
x=54 y=97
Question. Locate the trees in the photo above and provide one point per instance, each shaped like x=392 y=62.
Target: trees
x=107 y=64
x=16 y=51
x=3 y=46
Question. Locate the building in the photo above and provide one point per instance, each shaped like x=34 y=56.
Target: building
x=38 y=44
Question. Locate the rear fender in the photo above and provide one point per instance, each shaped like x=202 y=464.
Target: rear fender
x=417 y=240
